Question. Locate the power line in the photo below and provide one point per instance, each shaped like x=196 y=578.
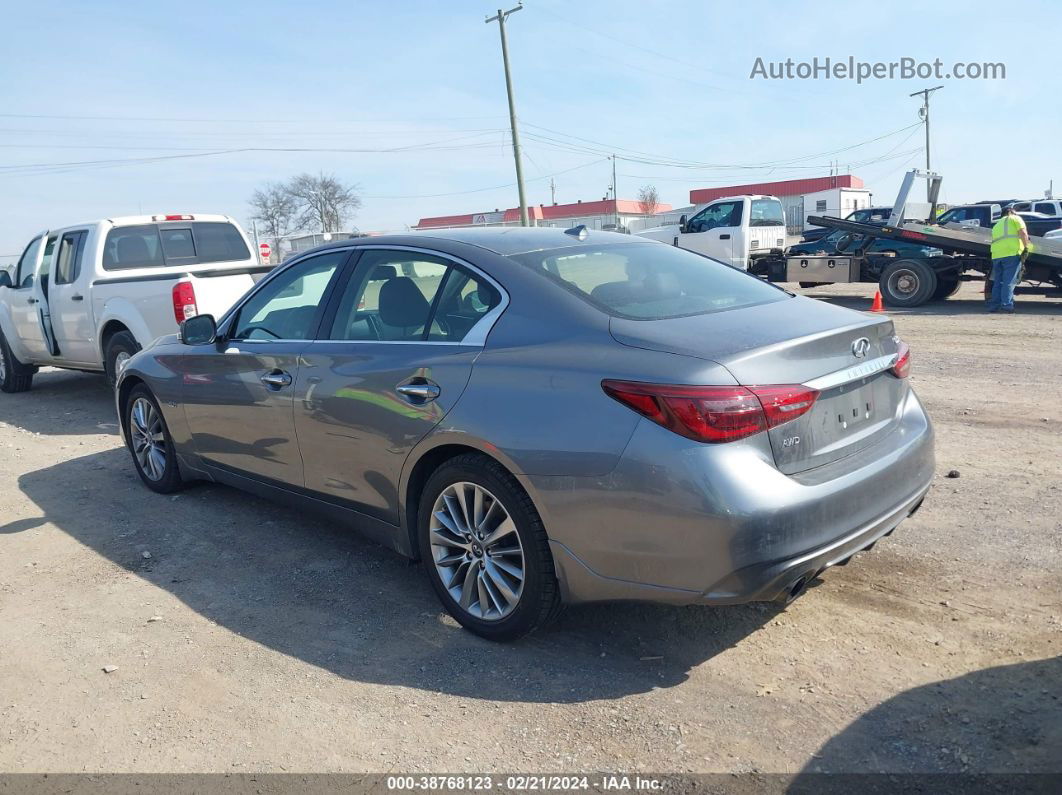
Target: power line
x=492 y=187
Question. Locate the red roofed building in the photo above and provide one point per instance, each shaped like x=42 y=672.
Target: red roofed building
x=602 y=214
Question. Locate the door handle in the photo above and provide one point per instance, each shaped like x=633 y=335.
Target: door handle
x=421 y=392
x=31 y=300
x=724 y=237
x=276 y=379
x=77 y=298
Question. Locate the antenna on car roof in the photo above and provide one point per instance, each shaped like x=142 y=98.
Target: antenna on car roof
x=579 y=231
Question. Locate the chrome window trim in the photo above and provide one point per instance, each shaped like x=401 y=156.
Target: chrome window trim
x=476 y=336
x=854 y=373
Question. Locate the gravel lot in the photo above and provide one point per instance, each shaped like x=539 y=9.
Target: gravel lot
x=248 y=637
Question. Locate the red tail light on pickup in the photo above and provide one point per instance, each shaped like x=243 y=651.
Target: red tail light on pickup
x=184 y=305
x=714 y=413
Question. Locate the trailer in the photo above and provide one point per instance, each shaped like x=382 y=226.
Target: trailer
x=909 y=282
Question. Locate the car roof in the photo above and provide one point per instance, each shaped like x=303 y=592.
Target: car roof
x=504 y=240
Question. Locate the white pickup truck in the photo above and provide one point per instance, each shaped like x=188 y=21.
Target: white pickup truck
x=89 y=296
x=736 y=230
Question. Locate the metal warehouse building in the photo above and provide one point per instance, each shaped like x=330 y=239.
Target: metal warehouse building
x=615 y=214
x=837 y=195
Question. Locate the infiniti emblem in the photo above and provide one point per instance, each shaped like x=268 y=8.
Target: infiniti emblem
x=860 y=347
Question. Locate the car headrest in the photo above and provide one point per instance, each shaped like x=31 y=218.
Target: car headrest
x=382 y=273
x=402 y=303
x=132 y=248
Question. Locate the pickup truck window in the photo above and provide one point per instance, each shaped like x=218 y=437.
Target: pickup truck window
x=24 y=269
x=1047 y=208
x=68 y=263
x=726 y=214
x=155 y=246
x=766 y=212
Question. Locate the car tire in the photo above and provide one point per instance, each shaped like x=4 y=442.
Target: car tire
x=809 y=285
x=14 y=375
x=517 y=564
x=907 y=283
x=947 y=286
x=120 y=347
x=149 y=442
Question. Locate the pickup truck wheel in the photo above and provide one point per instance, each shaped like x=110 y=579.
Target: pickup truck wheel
x=14 y=375
x=150 y=442
x=947 y=286
x=120 y=348
x=907 y=283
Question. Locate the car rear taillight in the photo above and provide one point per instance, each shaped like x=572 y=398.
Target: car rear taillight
x=714 y=413
x=902 y=368
x=184 y=305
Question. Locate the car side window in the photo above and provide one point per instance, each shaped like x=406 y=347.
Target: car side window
x=1047 y=208
x=725 y=214
x=289 y=306
x=68 y=261
x=45 y=270
x=24 y=269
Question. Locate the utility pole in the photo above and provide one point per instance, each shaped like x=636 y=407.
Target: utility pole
x=552 y=191
x=615 y=193
x=500 y=18
x=924 y=113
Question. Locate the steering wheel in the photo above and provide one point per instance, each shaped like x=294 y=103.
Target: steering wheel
x=844 y=241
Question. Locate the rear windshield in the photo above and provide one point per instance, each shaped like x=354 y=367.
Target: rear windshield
x=159 y=245
x=766 y=212
x=650 y=281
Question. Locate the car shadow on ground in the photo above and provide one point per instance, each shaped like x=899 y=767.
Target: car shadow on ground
x=63 y=403
x=951 y=307
x=1006 y=719
x=321 y=593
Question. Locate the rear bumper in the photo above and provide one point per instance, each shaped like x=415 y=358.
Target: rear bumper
x=719 y=524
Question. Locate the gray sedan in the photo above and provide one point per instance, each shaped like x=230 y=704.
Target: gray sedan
x=546 y=416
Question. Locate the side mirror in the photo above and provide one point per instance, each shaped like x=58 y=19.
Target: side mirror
x=5 y=279
x=199 y=330
x=683 y=228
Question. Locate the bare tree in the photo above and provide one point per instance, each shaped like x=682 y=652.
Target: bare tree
x=277 y=210
x=648 y=199
x=324 y=202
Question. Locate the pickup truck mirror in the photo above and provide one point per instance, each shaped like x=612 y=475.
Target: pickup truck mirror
x=682 y=224
x=5 y=279
x=199 y=330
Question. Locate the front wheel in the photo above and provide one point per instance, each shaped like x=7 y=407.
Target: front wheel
x=907 y=283
x=14 y=375
x=486 y=549
x=150 y=442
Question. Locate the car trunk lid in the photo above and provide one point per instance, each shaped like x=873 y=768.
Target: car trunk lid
x=845 y=355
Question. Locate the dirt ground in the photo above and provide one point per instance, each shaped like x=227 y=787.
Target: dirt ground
x=248 y=637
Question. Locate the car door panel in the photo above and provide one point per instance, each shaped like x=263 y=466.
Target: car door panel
x=238 y=392
x=26 y=317
x=71 y=312
x=355 y=428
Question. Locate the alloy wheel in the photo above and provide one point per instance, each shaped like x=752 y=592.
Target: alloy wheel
x=477 y=551
x=903 y=282
x=148 y=438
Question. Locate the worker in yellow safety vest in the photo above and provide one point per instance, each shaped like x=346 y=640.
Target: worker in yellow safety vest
x=1009 y=239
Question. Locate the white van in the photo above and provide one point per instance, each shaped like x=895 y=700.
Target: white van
x=89 y=296
x=736 y=230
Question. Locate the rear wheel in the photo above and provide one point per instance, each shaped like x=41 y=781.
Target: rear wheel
x=120 y=349
x=907 y=282
x=14 y=375
x=809 y=285
x=486 y=549
x=150 y=443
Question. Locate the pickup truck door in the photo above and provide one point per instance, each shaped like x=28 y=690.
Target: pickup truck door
x=25 y=299
x=70 y=309
x=716 y=232
x=238 y=392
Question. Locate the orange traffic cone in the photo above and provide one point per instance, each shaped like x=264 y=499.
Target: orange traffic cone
x=876 y=306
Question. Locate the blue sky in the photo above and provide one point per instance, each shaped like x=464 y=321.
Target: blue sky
x=669 y=79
